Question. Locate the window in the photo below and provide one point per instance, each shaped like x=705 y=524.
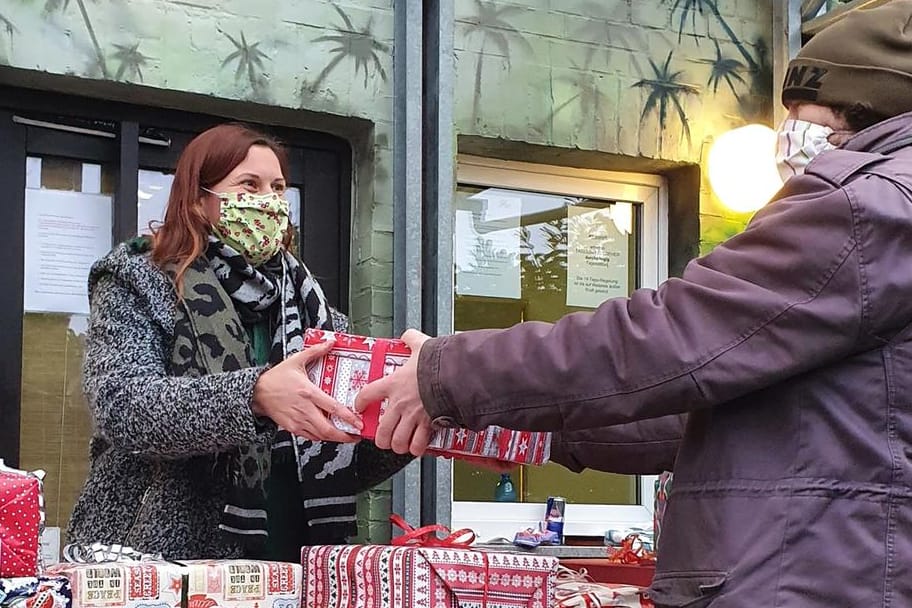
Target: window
x=533 y=243
x=77 y=183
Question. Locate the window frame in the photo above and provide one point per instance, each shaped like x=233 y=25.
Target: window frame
x=492 y=519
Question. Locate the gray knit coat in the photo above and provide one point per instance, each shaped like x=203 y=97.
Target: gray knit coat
x=155 y=483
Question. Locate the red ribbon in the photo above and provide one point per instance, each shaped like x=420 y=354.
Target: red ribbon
x=426 y=536
x=370 y=416
x=629 y=553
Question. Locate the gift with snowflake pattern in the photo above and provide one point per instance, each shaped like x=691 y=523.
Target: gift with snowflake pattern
x=354 y=361
x=377 y=576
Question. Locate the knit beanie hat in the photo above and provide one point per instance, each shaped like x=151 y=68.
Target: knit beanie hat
x=866 y=57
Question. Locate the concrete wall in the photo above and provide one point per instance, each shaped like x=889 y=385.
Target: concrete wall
x=648 y=79
x=333 y=57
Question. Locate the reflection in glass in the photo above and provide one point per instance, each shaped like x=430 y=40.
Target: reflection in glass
x=152 y=199
x=532 y=256
x=55 y=425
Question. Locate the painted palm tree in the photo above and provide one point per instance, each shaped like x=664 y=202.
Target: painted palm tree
x=10 y=31
x=665 y=90
x=723 y=69
x=56 y=6
x=249 y=60
x=691 y=8
x=491 y=22
x=589 y=98
x=7 y=25
x=757 y=104
x=601 y=27
x=131 y=62
x=358 y=46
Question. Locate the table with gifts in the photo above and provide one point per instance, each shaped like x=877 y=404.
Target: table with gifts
x=428 y=567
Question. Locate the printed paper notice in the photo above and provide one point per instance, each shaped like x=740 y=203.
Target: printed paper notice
x=488 y=246
x=65 y=232
x=597 y=257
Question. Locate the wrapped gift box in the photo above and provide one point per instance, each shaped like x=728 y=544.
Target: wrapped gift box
x=375 y=576
x=188 y=584
x=355 y=361
x=662 y=490
x=21 y=522
x=35 y=592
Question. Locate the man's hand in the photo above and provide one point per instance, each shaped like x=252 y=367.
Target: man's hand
x=405 y=426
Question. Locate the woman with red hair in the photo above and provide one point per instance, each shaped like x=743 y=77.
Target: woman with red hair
x=210 y=440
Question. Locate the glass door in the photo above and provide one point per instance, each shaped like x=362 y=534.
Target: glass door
x=68 y=225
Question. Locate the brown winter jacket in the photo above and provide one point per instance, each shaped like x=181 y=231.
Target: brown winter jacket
x=790 y=349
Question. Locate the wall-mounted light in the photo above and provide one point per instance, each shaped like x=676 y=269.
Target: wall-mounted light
x=742 y=167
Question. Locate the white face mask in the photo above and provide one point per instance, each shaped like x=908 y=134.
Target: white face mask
x=799 y=143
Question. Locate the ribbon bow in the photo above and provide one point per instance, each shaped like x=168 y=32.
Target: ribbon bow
x=631 y=551
x=98 y=553
x=576 y=589
x=426 y=536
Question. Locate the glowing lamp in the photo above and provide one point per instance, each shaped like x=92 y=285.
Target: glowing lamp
x=742 y=167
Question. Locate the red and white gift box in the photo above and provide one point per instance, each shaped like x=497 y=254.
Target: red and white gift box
x=356 y=361
x=21 y=521
x=188 y=584
x=378 y=576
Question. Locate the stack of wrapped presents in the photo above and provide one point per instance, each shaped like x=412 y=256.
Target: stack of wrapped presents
x=423 y=568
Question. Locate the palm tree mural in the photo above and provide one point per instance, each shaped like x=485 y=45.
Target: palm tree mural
x=55 y=6
x=10 y=31
x=358 y=46
x=7 y=25
x=589 y=98
x=757 y=104
x=723 y=69
x=691 y=8
x=490 y=21
x=601 y=26
x=131 y=62
x=665 y=90
x=249 y=60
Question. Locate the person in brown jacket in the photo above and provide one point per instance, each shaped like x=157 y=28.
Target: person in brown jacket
x=788 y=347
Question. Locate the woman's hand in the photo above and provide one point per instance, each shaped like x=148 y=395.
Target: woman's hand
x=287 y=396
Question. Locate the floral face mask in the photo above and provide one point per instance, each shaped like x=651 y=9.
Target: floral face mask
x=252 y=224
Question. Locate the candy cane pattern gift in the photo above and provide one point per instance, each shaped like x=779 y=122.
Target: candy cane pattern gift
x=377 y=576
x=355 y=361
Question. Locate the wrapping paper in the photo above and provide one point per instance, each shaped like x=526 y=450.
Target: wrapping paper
x=355 y=361
x=375 y=576
x=35 y=592
x=21 y=522
x=662 y=489
x=188 y=584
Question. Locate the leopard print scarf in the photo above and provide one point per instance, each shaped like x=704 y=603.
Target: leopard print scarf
x=222 y=293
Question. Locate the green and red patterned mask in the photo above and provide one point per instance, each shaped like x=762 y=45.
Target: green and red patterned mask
x=252 y=224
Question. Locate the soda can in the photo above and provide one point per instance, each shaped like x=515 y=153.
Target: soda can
x=554 y=516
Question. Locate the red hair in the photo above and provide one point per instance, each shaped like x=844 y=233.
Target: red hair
x=208 y=159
